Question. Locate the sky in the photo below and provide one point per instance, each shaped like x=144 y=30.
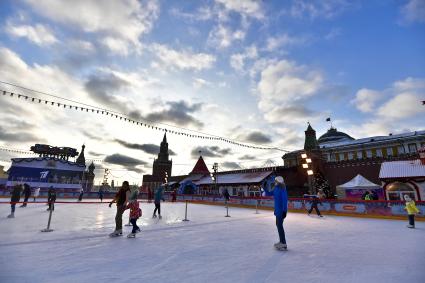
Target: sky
x=252 y=71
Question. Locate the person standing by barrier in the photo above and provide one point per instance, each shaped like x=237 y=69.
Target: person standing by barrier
x=15 y=197
x=121 y=198
x=80 y=197
x=411 y=211
x=27 y=194
x=226 y=195
x=36 y=193
x=51 y=198
x=280 y=210
x=157 y=200
x=135 y=213
x=173 y=196
x=100 y=194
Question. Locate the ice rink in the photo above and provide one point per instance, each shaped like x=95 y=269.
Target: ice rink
x=208 y=248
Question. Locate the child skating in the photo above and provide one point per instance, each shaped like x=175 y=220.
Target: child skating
x=135 y=213
x=411 y=210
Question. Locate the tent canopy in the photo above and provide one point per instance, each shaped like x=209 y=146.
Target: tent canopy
x=358 y=181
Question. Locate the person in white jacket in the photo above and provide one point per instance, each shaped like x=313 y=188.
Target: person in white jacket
x=36 y=193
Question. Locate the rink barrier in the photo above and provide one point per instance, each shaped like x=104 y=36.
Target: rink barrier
x=381 y=209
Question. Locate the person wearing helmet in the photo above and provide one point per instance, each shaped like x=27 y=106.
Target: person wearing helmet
x=280 y=210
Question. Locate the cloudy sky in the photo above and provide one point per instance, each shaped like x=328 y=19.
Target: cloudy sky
x=252 y=71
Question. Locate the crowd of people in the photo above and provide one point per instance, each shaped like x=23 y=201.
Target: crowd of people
x=125 y=199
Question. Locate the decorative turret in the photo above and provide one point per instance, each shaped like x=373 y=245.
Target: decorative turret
x=200 y=167
x=310 y=142
x=81 y=160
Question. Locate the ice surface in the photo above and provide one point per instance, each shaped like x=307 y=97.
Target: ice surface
x=208 y=248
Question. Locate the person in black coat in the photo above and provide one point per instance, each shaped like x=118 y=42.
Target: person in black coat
x=51 y=198
x=16 y=196
x=226 y=195
x=314 y=202
x=27 y=194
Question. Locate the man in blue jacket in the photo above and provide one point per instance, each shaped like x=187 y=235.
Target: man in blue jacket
x=280 y=210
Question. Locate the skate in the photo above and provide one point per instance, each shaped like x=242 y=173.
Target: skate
x=410 y=226
x=281 y=247
x=131 y=235
x=160 y=217
x=154 y=216
x=138 y=230
x=320 y=215
x=22 y=205
x=116 y=233
x=128 y=224
x=12 y=215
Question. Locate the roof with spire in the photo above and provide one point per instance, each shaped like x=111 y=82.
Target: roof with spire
x=81 y=160
x=200 y=167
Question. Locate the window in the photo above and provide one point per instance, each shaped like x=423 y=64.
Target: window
x=379 y=152
x=341 y=156
x=412 y=147
x=402 y=149
x=368 y=153
x=350 y=155
x=360 y=155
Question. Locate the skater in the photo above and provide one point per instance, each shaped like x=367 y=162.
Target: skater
x=36 y=193
x=135 y=213
x=226 y=195
x=314 y=202
x=411 y=211
x=80 y=197
x=121 y=199
x=280 y=210
x=100 y=194
x=157 y=200
x=51 y=198
x=16 y=196
x=149 y=195
x=27 y=194
x=173 y=196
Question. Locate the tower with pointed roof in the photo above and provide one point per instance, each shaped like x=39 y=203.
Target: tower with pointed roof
x=162 y=164
x=200 y=167
x=81 y=160
x=310 y=142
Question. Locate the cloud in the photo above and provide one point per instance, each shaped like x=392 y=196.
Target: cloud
x=201 y=14
x=148 y=148
x=123 y=20
x=333 y=33
x=184 y=59
x=413 y=11
x=39 y=34
x=103 y=87
x=409 y=84
x=177 y=112
x=222 y=36
x=320 y=9
x=366 y=99
x=230 y=165
x=11 y=135
x=402 y=105
x=199 y=83
x=237 y=61
x=284 y=86
x=210 y=151
x=277 y=42
x=247 y=157
x=124 y=160
x=256 y=137
x=248 y=8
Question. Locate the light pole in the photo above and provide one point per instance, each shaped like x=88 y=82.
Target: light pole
x=308 y=166
x=215 y=168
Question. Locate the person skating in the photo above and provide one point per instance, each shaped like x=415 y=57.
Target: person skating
x=280 y=210
x=27 y=194
x=135 y=213
x=51 y=198
x=121 y=198
x=100 y=194
x=80 y=197
x=36 y=193
x=226 y=195
x=411 y=210
x=15 y=197
x=157 y=200
x=314 y=202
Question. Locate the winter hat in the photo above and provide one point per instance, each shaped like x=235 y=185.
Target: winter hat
x=407 y=198
x=279 y=179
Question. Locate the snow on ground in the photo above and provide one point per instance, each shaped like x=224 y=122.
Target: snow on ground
x=208 y=248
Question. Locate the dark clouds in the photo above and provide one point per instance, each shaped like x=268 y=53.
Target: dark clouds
x=18 y=136
x=148 y=148
x=230 y=165
x=257 y=137
x=178 y=113
x=124 y=160
x=247 y=157
x=209 y=151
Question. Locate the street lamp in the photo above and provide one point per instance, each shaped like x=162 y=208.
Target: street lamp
x=215 y=169
x=308 y=166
